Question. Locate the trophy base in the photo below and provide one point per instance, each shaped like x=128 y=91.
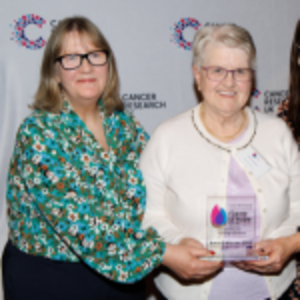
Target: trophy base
x=234 y=258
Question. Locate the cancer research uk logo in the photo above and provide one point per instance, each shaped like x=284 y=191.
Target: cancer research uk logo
x=178 y=29
x=141 y=101
x=272 y=99
x=19 y=35
x=218 y=216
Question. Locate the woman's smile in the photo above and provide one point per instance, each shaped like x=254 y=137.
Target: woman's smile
x=86 y=80
x=227 y=93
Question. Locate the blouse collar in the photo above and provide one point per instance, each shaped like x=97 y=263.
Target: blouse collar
x=246 y=138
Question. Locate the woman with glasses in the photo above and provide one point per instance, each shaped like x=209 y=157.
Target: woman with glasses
x=75 y=193
x=246 y=164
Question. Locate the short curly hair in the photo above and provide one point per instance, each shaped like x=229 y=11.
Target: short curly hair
x=229 y=34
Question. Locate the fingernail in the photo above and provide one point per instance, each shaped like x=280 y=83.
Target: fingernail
x=222 y=264
x=212 y=252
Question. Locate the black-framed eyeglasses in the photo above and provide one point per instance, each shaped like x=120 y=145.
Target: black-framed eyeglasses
x=216 y=73
x=74 y=61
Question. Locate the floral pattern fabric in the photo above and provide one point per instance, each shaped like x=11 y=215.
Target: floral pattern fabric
x=294 y=292
x=70 y=200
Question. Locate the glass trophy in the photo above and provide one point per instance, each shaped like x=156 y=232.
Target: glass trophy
x=231 y=228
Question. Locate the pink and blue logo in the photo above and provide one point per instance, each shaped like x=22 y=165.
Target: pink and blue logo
x=218 y=216
x=256 y=93
x=19 y=35
x=179 y=27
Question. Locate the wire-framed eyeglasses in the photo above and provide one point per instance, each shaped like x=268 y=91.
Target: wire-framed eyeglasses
x=74 y=61
x=216 y=73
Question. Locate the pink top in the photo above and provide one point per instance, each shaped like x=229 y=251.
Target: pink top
x=233 y=283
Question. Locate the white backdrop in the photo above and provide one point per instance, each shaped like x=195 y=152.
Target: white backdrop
x=155 y=71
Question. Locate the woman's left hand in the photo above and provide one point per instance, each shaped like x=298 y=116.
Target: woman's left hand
x=278 y=251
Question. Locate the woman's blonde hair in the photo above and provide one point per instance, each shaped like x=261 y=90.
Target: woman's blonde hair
x=229 y=35
x=48 y=95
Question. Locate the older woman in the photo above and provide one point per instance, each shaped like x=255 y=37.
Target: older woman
x=76 y=196
x=209 y=151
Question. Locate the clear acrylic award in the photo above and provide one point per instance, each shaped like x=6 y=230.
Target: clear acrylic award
x=231 y=228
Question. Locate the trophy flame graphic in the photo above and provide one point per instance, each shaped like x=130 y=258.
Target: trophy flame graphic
x=218 y=216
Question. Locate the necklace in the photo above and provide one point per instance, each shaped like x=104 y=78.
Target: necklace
x=219 y=136
x=219 y=146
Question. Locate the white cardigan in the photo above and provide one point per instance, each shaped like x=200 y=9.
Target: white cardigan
x=181 y=169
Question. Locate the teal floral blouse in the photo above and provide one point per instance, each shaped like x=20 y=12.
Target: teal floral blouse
x=70 y=200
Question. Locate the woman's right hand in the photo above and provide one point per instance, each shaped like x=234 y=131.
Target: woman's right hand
x=185 y=260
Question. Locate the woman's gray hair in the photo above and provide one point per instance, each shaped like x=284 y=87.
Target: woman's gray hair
x=229 y=35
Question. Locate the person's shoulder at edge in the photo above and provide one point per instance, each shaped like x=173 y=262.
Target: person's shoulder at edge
x=268 y=120
x=134 y=125
x=38 y=119
x=38 y=116
x=274 y=128
x=128 y=117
